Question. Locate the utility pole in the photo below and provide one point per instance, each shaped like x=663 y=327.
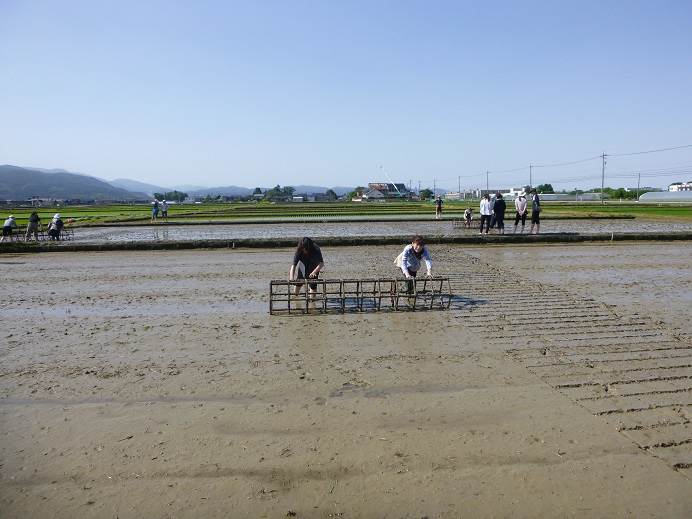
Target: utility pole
x=434 y=187
x=530 y=176
x=639 y=178
x=603 y=157
x=459 y=190
x=419 y=188
x=487 y=183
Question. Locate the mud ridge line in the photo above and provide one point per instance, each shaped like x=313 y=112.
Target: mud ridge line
x=618 y=349
x=576 y=373
x=653 y=426
x=622 y=382
x=569 y=331
x=609 y=352
x=643 y=393
x=606 y=361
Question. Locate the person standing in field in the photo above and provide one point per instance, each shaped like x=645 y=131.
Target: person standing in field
x=164 y=210
x=307 y=264
x=520 y=206
x=535 y=212
x=492 y=211
x=486 y=213
x=154 y=210
x=499 y=209
x=32 y=226
x=7 y=228
x=438 y=207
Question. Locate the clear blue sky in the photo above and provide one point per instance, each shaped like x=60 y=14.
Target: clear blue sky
x=325 y=92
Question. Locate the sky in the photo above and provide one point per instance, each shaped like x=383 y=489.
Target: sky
x=341 y=93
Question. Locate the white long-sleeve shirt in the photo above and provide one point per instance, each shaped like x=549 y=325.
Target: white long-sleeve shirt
x=485 y=207
x=520 y=204
x=411 y=263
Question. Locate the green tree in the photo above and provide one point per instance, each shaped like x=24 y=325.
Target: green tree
x=426 y=193
x=545 y=188
x=257 y=191
x=178 y=196
x=331 y=194
x=159 y=196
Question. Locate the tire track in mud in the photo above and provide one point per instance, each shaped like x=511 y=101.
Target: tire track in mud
x=624 y=367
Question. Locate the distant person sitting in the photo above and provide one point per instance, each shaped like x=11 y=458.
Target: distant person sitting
x=164 y=210
x=32 y=226
x=7 y=228
x=55 y=227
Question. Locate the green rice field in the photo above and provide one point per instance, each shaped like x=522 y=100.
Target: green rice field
x=237 y=211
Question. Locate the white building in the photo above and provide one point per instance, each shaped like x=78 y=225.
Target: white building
x=680 y=186
x=374 y=194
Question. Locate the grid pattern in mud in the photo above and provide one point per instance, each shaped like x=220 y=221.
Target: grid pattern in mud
x=630 y=370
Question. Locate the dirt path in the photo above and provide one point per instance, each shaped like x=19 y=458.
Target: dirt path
x=155 y=384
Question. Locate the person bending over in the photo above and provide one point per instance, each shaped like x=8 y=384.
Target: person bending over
x=409 y=261
x=307 y=263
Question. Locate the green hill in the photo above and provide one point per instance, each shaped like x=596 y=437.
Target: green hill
x=21 y=183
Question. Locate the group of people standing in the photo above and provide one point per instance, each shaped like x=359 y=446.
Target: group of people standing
x=157 y=206
x=493 y=212
x=54 y=229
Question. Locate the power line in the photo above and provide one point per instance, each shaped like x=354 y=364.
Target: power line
x=651 y=151
x=557 y=164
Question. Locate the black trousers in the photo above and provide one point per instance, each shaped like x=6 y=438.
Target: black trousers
x=485 y=220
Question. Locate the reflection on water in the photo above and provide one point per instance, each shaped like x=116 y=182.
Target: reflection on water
x=317 y=230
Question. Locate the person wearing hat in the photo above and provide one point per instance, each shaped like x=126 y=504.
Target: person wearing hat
x=520 y=206
x=164 y=210
x=55 y=227
x=7 y=227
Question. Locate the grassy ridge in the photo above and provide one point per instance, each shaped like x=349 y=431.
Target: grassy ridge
x=86 y=215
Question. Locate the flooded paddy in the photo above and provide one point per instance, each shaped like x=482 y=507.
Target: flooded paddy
x=553 y=390
x=394 y=228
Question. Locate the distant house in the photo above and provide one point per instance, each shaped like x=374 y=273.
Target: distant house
x=299 y=198
x=374 y=194
x=390 y=190
x=680 y=186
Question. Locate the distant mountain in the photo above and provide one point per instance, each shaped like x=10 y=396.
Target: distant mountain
x=221 y=190
x=140 y=187
x=21 y=183
x=186 y=188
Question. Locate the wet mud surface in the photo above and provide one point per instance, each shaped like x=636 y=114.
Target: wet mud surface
x=156 y=384
x=398 y=228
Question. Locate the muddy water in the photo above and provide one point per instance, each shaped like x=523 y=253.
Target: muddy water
x=155 y=384
x=402 y=228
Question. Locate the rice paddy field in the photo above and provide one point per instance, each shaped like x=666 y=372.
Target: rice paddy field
x=83 y=215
